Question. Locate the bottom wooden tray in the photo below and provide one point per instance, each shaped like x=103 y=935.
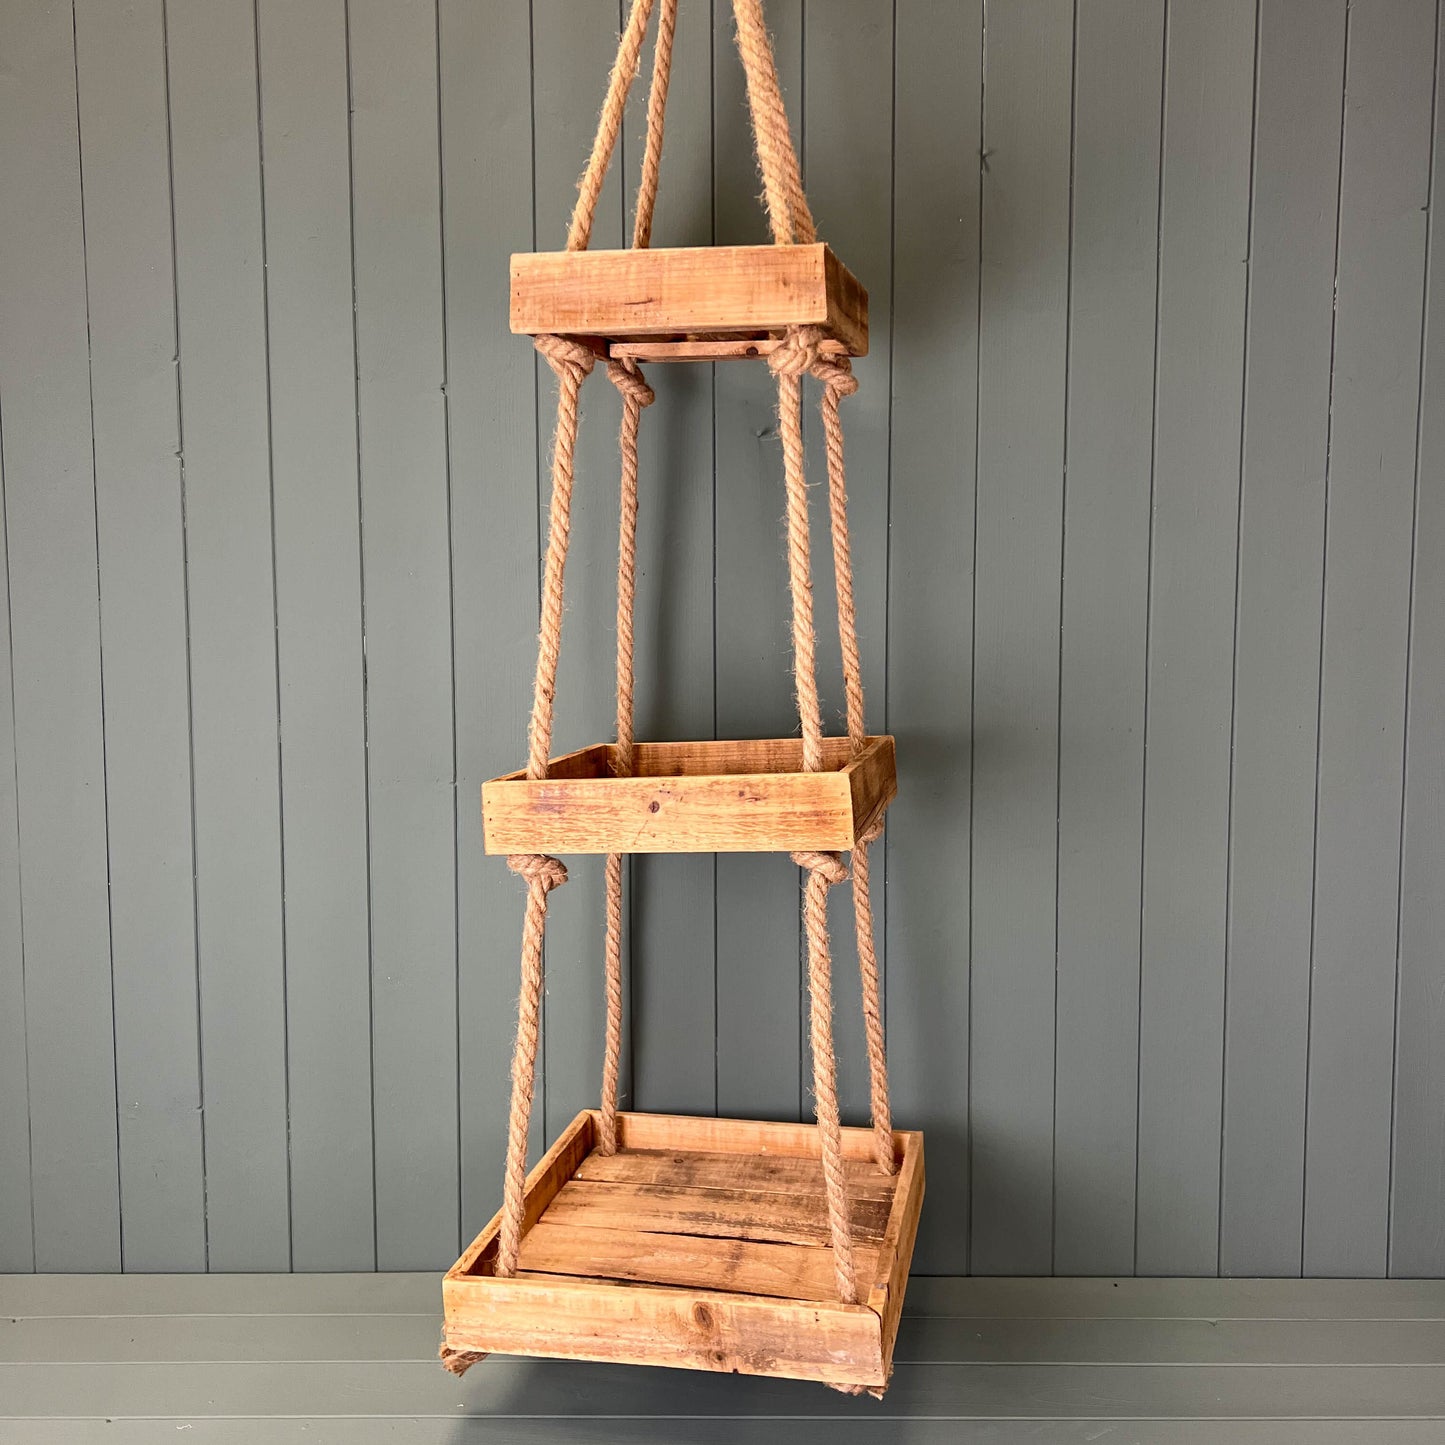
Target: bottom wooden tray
x=702 y=1244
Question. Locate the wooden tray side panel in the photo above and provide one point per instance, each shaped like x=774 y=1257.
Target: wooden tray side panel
x=896 y=1255
x=636 y=1325
x=702 y=797
x=703 y=291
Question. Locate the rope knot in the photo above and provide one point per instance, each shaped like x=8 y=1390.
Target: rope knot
x=566 y=354
x=627 y=377
x=797 y=352
x=827 y=866
x=836 y=373
x=538 y=868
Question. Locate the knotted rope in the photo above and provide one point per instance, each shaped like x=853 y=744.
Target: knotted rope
x=798 y=353
x=626 y=376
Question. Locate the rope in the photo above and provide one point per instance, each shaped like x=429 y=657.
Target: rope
x=571 y=361
x=796 y=354
x=838 y=380
x=626 y=376
x=656 y=106
x=788 y=213
x=624 y=70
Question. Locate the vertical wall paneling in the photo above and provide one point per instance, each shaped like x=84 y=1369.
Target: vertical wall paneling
x=406 y=557
x=673 y=1018
x=574 y=49
x=304 y=131
x=1276 y=674
x=56 y=645
x=848 y=48
x=1417 y=1202
x=120 y=67
x=17 y=1241
x=1022 y=337
x=1147 y=538
x=1203 y=254
x=491 y=417
x=216 y=166
x=1101 y=670
x=938 y=68
x=758 y=999
x=1384 y=189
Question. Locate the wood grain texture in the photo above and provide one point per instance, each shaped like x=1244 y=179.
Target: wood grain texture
x=221 y=301
x=1203 y=243
x=1022 y=369
x=320 y=645
x=55 y=655
x=707 y=291
x=1118 y=64
x=406 y=551
x=695 y=798
x=1276 y=670
x=1384 y=189
x=120 y=60
x=1417 y=1199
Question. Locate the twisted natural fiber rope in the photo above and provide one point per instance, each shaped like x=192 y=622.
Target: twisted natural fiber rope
x=789 y=361
x=838 y=381
x=792 y=221
x=624 y=69
x=656 y=107
x=626 y=376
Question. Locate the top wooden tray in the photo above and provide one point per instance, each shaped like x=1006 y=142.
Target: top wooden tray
x=702 y=797
x=691 y=302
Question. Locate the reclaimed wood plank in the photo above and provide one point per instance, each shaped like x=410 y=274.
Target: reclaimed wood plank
x=677 y=290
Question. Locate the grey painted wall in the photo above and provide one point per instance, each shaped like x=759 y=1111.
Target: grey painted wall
x=1149 y=506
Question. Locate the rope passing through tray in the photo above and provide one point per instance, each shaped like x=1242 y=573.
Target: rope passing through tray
x=714 y=1244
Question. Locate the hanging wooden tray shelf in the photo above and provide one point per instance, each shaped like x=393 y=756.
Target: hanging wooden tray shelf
x=690 y=303
x=704 y=797
x=701 y=1243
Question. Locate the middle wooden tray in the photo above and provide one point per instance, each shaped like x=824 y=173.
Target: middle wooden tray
x=703 y=797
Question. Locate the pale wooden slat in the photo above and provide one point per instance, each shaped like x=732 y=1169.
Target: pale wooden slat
x=573 y=1390
x=1014 y=723
x=1384 y=190
x=719 y=1213
x=731 y=1171
x=1276 y=688
x=221 y=300
x=1203 y=240
x=636 y=1431
x=120 y=57
x=1117 y=77
x=1417 y=1195
x=302 y=56
x=58 y=767
x=785 y=1271
x=406 y=548
x=413 y=1336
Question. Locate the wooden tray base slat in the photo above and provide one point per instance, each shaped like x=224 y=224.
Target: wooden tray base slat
x=705 y=1247
x=693 y=797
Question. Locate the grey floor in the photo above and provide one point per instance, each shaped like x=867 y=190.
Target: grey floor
x=328 y=1359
